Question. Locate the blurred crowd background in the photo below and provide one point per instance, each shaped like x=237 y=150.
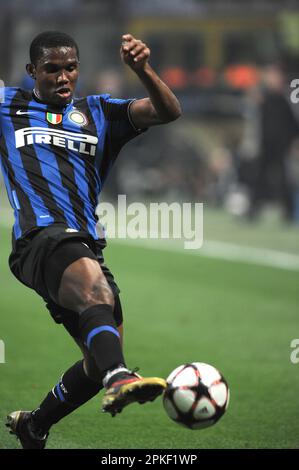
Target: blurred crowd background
x=230 y=62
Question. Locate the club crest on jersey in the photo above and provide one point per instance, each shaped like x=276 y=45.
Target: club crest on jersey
x=78 y=118
x=54 y=118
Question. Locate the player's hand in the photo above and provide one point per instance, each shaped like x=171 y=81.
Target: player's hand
x=134 y=52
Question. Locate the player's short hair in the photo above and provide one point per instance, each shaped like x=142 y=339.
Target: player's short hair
x=49 y=39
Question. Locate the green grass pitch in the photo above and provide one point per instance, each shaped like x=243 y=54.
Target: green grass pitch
x=178 y=308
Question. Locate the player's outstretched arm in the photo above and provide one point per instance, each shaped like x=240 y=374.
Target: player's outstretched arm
x=162 y=106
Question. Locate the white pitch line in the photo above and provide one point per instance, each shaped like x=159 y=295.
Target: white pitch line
x=225 y=251
x=210 y=249
x=251 y=255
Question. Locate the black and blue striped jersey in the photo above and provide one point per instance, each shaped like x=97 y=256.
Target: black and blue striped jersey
x=55 y=161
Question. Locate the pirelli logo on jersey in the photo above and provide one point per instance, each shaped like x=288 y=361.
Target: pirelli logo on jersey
x=81 y=143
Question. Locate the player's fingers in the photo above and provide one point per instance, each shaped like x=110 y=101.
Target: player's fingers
x=129 y=46
x=143 y=55
x=127 y=37
x=126 y=42
x=137 y=49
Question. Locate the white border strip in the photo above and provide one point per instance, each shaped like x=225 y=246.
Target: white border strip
x=210 y=249
x=225 y=251
x=251 y=255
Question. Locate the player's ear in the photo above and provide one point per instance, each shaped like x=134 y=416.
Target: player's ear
x=31 y=70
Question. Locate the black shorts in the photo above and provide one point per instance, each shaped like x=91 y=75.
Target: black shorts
x=29 y=259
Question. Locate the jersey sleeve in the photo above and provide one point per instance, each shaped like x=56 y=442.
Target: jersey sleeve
x=120 y=126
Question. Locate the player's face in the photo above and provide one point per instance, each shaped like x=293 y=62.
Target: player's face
x=56 y=75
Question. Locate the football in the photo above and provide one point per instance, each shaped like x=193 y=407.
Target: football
x=196 y=396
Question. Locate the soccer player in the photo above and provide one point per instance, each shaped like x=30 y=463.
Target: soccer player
x=56 y=152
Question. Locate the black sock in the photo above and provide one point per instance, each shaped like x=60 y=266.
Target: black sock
x=73 y=390
x=99 y=332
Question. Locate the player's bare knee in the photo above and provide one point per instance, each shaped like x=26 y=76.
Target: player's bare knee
x=83 y=285
x=86 y=295
x=94 y=293
x=100 y=292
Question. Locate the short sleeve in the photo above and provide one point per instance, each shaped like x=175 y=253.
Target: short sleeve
x=119 y=123
x=119 y=128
